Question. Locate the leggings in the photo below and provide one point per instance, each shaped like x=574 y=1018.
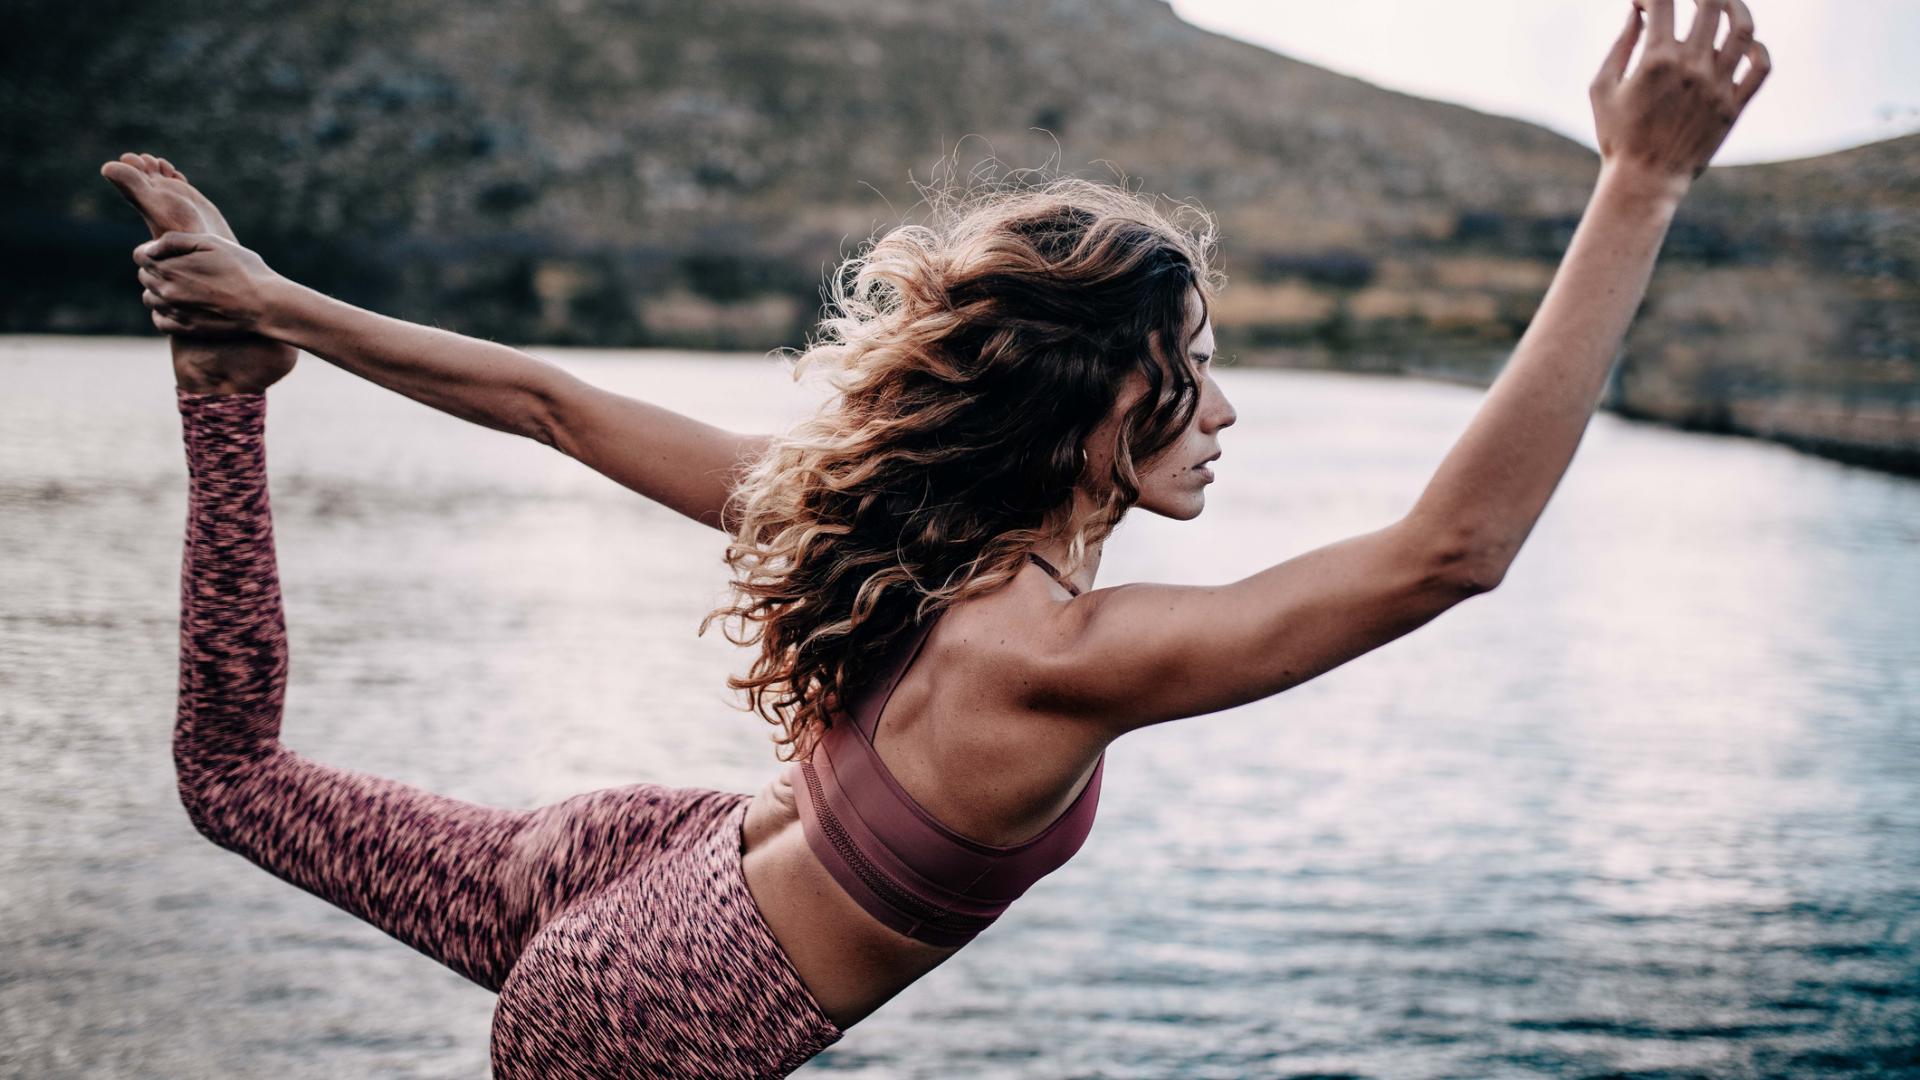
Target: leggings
x=616 y=926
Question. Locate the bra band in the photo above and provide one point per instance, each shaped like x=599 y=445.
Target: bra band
x=906 y=868
x=1055 y=574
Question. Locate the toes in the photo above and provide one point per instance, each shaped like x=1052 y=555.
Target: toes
x=167 y=168
x=124 y=176
x=131 y=158
x=152 y=163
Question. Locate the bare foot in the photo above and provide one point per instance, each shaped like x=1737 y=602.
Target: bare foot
x=168 y=203
x=165 y=199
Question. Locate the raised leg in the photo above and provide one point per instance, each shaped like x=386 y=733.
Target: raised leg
x=464 y=883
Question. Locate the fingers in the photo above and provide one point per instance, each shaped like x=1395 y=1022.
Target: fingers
x=1614 y=67
x=159 y=287
x=189 y=320
x=1727 y=56
x=168 y=317
x=1659 y=22
x=1706 y=25
x=1757 y=67
x=158 y=290
x=192 y=324
x=170 y=245
x=155 y=292
x=183 y=314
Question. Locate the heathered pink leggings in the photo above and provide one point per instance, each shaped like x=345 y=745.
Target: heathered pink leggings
x=615 y=925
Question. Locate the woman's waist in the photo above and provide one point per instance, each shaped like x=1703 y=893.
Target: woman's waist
x=774 y=832
x=849 y=960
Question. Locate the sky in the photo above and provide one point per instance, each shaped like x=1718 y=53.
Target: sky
x=1845 y=72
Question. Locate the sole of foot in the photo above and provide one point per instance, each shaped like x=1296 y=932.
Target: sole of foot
x=164 y=198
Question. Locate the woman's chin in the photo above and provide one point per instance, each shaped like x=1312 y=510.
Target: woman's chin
x=1185 y=507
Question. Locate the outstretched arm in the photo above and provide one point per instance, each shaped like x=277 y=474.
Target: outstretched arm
x=1139 y=654
x=474 y=380
x=1657 y=128
x=200 y=283
x=674 y=460
x=490 y=384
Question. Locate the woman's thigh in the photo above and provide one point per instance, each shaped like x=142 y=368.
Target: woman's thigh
x=667 y=971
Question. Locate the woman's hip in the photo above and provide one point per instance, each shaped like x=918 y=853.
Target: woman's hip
x=668 y=970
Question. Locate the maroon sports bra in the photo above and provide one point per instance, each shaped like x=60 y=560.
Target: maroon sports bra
x=896 y=860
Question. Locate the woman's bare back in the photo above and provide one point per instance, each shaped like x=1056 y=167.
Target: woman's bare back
x=954 y=738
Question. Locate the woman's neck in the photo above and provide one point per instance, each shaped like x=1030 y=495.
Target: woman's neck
x=1082 y=576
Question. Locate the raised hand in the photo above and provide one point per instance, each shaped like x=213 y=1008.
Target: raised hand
x=1671 y=114
x=168 y=203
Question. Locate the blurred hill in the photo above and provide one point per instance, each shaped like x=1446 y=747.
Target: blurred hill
x=646 y=173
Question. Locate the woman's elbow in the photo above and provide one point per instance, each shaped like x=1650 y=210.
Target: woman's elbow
x=1465 y=561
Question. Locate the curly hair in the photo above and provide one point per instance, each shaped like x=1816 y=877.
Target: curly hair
x=971 y=358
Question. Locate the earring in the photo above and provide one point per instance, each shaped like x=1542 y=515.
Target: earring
x=1083 y=459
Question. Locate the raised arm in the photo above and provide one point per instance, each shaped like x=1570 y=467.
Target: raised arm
x=490 y=384
x=199 y=283
x=1657 y=130
x=1127 y=657
x=227 y=290
x=675 y=460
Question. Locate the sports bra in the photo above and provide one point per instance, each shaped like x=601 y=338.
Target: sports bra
x=896 y=860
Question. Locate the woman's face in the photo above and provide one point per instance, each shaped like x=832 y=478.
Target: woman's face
x=1174 y=483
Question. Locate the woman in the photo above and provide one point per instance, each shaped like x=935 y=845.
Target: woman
x=1012 y=379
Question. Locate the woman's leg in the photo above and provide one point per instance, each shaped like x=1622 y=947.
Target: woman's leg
x=463 y=883
x=668 y=973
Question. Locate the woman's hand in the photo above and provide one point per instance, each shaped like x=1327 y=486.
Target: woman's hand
x=1672 y=113
x=201 y=285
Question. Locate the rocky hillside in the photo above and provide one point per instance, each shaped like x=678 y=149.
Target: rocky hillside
x=643 y=173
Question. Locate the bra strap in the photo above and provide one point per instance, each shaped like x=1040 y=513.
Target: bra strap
x=1055 y=574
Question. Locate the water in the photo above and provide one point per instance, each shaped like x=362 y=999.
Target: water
x=1652 y=808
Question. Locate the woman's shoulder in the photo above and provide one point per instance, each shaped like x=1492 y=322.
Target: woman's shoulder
x=999 y=645
x=990 y=651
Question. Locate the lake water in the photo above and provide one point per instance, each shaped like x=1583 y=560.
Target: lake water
x=1652 y=808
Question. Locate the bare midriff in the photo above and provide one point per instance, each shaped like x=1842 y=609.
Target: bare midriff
x=850 y=961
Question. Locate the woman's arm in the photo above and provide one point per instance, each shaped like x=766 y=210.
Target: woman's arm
x=1127 y=657
x=1657 y=129
x=1140 y=654
x=1492 y=487
x=490 y=384
x=198 y=283
x=675 y=460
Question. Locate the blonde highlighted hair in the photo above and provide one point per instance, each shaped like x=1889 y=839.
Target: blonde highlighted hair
x=970 y=356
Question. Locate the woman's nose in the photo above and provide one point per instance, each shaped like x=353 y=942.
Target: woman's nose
x=1223 y=414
